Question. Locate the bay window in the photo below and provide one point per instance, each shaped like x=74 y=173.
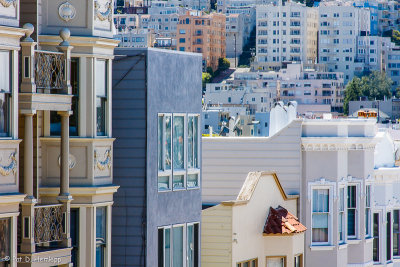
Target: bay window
x=352 y=211
x=178 y=144
x=193 y=151
x=164 y=151
x=101 y=231
x=101 y=96
x=5 y=241
x=5 y=92
x=396 y=233
x=375 y=249
x=368 y=211
x=342 y=218
x=320 y=215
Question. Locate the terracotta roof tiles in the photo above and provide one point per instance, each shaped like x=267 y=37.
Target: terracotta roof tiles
x=281 y=221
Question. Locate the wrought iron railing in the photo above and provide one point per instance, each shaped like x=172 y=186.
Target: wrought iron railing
x=49 y=70
x=48 y=224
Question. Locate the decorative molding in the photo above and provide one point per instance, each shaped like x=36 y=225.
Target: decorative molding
x=10 y=168
x=105 y=163
x=103 y=15
x=8 y=3
x=335 y=147
x=322 y=182
x=66 y=11
x=71 y=161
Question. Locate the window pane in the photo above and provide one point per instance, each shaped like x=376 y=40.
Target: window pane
x=351 y=196
x=4 y=114
x=320 y=235
x=190 y=246
x=160 y=142
x=167 y=247
x=5 y=234
x=101 y=223
x=177 y=245
x=341 y=196
x=320 y=200
x=74 y=235
x=275 y=262
x=100 y=256
x=351 y=222
x=388 y=236
x=73 y=119
x=163 y=183
x=195 y=141
x=179 y=182
x=5 y=71
x=376 y=237
x=192 y=180
x=178 y=142
x=190 y=142
x=167 y=142
x=101 y=78
x=101 y=115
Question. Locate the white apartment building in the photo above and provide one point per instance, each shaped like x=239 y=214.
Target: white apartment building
x=340 y=23
x=238 y=29
x=137 y=38
x=388 y=15
x=286 y=32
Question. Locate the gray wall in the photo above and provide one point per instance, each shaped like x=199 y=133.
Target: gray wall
x=171 y=84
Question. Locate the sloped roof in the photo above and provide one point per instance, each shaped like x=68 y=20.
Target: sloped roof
x=281 y=221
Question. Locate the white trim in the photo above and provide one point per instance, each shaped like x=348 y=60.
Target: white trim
x=320 y=247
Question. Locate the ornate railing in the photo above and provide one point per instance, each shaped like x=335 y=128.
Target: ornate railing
x=48 y=223
x=49 y=70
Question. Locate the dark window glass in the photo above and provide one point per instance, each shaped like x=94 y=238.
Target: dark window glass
x=376 y=238
x=161 y=247
x=101 y=96
x=351 y=210
x=388 y=236
x=5 y=241
x=396 y=233
x=5 y=92
x=75 y=235
x=101 y=218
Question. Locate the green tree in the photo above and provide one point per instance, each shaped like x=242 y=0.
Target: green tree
x=377 y=86
x=223 y=64
x=352 y=92
x=206 y=78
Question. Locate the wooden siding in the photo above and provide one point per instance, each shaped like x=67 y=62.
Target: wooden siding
x=228 y=160
x=216 y=236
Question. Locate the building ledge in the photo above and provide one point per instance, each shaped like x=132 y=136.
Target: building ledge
x=322 y=247
x=81 y=191
x=353 y=241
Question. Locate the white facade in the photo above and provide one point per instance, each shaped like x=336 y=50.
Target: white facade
x=238 y=29
x=135 y=38
x=286 y=32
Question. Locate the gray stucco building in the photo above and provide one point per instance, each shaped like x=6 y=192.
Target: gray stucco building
x=156 y=120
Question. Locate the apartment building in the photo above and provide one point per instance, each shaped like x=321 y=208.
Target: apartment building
x=388 y=15
x=203 y=33
x=137 y=38
x=63 y=174
x=286 y=31
x=156 y=119
x=340 y=24
x=238 y=29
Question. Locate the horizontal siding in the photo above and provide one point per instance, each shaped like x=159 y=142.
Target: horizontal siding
x=227 y=161
x=129 y=129
x=216 y=236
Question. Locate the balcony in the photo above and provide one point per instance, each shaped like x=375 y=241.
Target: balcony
x=45 y=81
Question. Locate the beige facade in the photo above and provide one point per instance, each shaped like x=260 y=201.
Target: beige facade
x=232 y=231
x=56 y=146
x=202 y=33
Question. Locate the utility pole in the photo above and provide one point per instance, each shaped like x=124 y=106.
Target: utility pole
x=235 y=49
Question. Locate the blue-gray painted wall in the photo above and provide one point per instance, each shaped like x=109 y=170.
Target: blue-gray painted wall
x=153 y=81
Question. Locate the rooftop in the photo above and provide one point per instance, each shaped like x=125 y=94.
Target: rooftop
x=281 y=221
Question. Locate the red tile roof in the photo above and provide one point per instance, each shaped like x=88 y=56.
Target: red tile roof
x=281 y=221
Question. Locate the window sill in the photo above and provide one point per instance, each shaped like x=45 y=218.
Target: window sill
x=343 y=246
x=369 y=240
x=164 y=190
x=353 y=241
x=321 y=247
x=193 y=188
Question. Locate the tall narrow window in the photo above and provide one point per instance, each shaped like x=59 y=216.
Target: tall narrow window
x=193 y=151
x=388 y=236
x=341 y=216
x=101 y=96
x=164 y=151
x=298 y=261
x=177 y=245
x=368 y=210
x=5 y=92
x=164 y=247
x=351 y=211
x=75 y=236
x=5 y=241
x=192 y=245
x=320 y=216
x=376 y=238
x=396 y=233
x=178 y=143
x=101 y=227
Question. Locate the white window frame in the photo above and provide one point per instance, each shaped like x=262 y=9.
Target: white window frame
x=370 y=235
x=184 y=170
x=194 y=170
x=330 y=189
x=357 y=212
x=170 y=242
x=382 y=223
x=344 y=219
x=164 y=173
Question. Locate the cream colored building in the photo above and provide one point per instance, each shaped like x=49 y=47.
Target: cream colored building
x=232 y=232
x=61 y=119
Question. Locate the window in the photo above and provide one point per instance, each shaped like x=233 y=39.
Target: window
x=276 y=262
x=74 y=217
x=193 y=151
x=368 y=210
x=164 y=151
x=376 y=238
x=5 y=92
x=342 y=218
x=177 y=245
x=5 y=241
x=101 y=221
x=298 y=261
x=178 y=144
x=182 y=40
x=101 y=96
x=248 y=263
x=396 y=233
x=320 y=215
x=351 y=211
x=164 y=247
x=388 y=236
x=192 y=245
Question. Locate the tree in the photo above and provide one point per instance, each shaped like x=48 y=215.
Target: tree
x=377 y=85
x=352 y=92
x=223 y=64
x=206 y=78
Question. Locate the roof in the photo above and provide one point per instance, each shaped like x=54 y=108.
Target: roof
x=281 y=221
